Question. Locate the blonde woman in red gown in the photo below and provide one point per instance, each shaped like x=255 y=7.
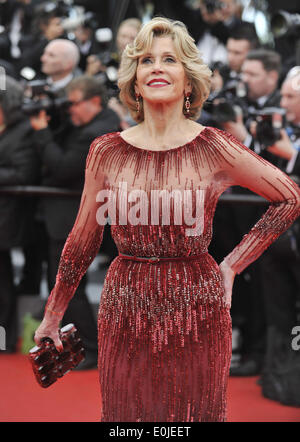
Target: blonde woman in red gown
x=164 y=325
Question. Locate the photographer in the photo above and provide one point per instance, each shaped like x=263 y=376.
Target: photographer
x=18 y=166
x=63 y=158
x=221 y=17
x=260 y=72
x=288 y=146
x=284 y=25
x=241 y=41
x=281 y=263
x=127 y=31
x=16 y=18
x=209 y=45
x=59 y=62
x=101 y=63
x=218 y=20
x=226 y=77
x=87 y=43
x=46 y=26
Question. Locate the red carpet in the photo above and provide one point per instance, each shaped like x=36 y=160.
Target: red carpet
x=75 y=398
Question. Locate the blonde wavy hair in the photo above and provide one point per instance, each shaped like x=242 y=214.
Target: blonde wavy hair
x=197 y=72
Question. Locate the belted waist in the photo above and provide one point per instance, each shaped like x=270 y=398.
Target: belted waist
x=155 y=259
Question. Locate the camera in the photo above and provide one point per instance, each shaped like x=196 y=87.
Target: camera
x=71 y=16
x=81 y=18
x=229 y=102
x=213 y=5
x=59 y=8
x=283 y=23
x=39 y=96
x=109 y=77
x=269 y=121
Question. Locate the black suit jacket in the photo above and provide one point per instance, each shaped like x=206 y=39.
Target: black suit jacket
x=247 y=215
x=64 y=167
x=18 y=167
x=296 y=169
x=7 y=10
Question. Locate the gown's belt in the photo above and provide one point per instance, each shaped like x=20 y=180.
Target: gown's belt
x=155 y=259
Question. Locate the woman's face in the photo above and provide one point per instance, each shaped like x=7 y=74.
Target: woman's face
x=160 y=75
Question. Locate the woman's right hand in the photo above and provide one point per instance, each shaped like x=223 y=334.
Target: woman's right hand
x=49 y=328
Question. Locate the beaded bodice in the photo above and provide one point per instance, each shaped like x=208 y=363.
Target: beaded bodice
x=162 y=203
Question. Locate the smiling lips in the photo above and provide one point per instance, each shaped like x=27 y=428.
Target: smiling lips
x=158 y=82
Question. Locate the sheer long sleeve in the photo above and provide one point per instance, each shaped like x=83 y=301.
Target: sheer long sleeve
x=85 y=238
x=247 y=169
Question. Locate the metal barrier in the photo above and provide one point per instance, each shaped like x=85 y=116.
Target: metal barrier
x=227 y=198
x=38 y=191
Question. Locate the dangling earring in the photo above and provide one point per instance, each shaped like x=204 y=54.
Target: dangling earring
x=187 y=103
x=137 y=103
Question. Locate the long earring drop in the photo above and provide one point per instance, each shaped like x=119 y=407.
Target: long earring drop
x=137 y=103
x=187 y=103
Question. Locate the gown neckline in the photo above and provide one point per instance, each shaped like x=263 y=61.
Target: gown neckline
x=164 y=150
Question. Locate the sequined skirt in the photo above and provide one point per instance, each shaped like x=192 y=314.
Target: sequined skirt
x=164 y=337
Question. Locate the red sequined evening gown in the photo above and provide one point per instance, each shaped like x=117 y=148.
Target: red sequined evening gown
x=165 y=327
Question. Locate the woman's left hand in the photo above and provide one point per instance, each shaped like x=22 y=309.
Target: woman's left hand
x=228 y=278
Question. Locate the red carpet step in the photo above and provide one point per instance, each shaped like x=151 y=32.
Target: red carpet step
x=75 y=398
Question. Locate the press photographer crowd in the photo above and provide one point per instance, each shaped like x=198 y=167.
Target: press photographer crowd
x=59 y=68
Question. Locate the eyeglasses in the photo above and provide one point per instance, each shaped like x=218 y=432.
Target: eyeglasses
x=75 y=103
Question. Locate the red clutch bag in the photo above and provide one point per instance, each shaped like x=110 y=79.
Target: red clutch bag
x=49 y=364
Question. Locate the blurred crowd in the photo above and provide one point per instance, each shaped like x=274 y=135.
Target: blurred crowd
x=58 y=91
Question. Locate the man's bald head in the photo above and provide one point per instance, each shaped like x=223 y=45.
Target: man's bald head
x=290 y=95
x=60 y=58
